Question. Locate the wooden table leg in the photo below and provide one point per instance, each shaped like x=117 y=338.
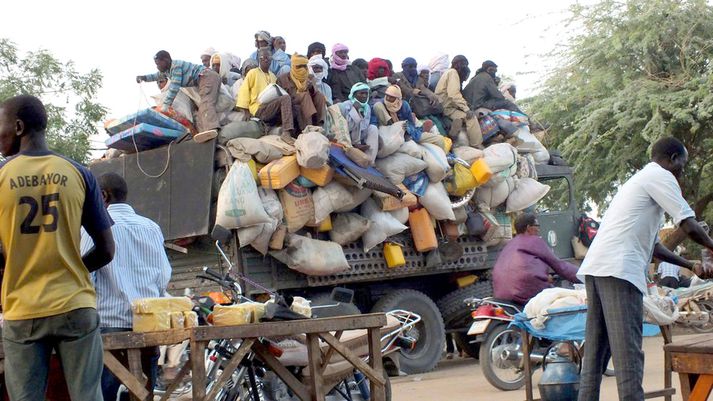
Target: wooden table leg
x=667 y=373
x=525 y=338
x=176 y=382
x=378 y=391
x=702 y=388
x=231 y=366
x=686 y=381
x=315 y=357
x=198 y=369
x=282 y=372
x=132 y=383
x=134 y=357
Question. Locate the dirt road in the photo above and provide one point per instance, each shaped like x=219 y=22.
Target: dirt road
x=461 y=380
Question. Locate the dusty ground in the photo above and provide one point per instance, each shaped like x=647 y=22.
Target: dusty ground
x=461 y=380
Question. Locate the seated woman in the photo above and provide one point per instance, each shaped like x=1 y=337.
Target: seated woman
x=319 y=69
x=364 y=135
x=393 y=109
x=308 y=103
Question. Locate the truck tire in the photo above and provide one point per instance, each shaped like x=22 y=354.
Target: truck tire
x=332 y=311
x=456 y=313
x=429 y=332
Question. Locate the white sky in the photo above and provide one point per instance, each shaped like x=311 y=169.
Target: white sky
x=121 y=37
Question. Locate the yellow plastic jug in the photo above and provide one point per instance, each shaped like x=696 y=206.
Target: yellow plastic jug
x=481 y=171
x=394 y=255
x=325 y=225
x=422 y=230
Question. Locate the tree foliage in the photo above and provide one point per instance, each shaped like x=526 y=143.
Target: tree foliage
x=68 y=95
x=634 y=72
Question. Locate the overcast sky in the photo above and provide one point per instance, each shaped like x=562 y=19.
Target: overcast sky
x=121 y=37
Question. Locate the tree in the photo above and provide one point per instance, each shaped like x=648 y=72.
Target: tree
x=68 y=95
x=634 y=72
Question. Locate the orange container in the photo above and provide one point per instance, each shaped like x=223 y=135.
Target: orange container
x=279 y=173
x=320 y=176
x=481 y=171
x=422 y=230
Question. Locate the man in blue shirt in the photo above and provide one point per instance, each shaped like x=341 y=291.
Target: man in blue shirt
x=140 y=269
x=184 y=74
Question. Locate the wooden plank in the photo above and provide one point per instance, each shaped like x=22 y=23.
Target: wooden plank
x=315 y=380
x=692 y=363
x=198 y=369
x=282 y=372
x=133 y=384
x=702 y=389
x=129 y=339
x=665 y=392
x=694 y=344
x=686 y=380
x=230 y=367
x=176 y=382
x=277 y=329
x=328 y=356
x=378 y=389
x=357 y=362
x=134 y=357
x=525 y=338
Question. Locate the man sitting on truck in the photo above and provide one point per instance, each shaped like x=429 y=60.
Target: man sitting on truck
x=278 y=110
x=455 y=107
x=523 y=266
x=482 y=90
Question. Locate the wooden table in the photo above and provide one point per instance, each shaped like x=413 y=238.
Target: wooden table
x=315 y=330
x=692 y=358
x=667 y=392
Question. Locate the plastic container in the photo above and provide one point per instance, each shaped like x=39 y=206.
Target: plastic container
x=325 y=225
x=279 y=173
x=481 y=171
x=394 y=255
x=422 y=230
x=320 y=176
x=447 y=144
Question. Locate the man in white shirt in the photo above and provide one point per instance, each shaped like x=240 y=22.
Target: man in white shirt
x=140 y=269
x=614 y=270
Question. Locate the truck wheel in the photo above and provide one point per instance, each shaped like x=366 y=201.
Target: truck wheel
x=456 y=314
x=429 y=332
x=332 y=311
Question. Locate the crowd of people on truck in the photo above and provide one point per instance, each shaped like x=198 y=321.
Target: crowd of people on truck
x=369 y=94
x=75 y=254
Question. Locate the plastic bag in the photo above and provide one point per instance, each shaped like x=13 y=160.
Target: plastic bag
x=239 y=203
x=437 y=202
x=337 y=126
x=467 y=153
x=438 y=165
x=417 y=183
x=259 y=236
x=660 y=310
x=492 y=196
x=348 y=227
x=400 y=214
x=412 y=149
x=532 y=145
x=270 y=93
x=383 y=225
x=461 y=181
x=391 y=137
x=398 y=166
x=312 y=257
x=312 y=149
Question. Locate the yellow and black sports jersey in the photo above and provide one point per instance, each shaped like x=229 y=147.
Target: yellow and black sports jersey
x=44 y=201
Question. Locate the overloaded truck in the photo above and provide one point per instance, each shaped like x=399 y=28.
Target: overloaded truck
x=177 y=187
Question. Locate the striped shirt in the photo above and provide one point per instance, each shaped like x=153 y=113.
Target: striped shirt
x=182 y=74
x=668 y=270
x=140 y=268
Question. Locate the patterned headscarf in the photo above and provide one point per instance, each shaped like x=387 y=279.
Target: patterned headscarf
x=339 y=63
x=357 y=87
x=318 y=60
x=300 y=76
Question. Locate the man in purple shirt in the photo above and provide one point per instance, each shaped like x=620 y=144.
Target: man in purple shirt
x=523 y=266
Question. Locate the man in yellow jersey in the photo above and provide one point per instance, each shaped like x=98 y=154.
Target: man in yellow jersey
x=48 y=299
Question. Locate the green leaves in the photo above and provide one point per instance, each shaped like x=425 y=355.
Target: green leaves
x=636 y=71
x=69 y=96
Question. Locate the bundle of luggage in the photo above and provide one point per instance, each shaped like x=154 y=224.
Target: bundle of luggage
x=302 y=202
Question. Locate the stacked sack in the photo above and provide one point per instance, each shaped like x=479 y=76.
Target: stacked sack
x=281 y=197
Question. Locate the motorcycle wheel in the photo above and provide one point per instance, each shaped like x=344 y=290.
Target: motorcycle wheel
x=503 y=374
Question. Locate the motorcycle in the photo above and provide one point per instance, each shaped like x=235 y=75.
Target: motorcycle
x=501 y=354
